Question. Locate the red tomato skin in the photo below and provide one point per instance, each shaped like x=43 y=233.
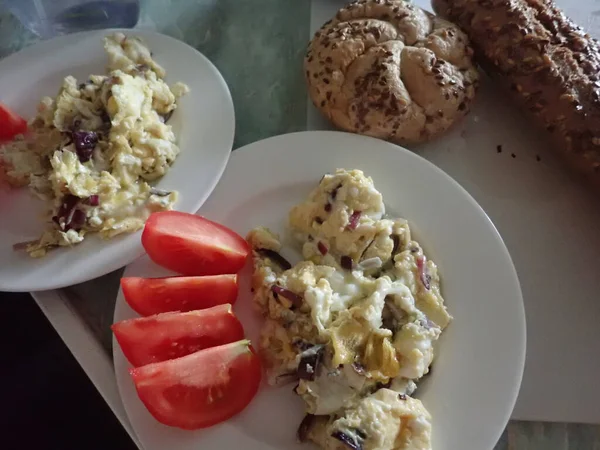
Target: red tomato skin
x=149 y=296
x=11 y=124
x=193 y=245
x=233 y=369
x=172 y=335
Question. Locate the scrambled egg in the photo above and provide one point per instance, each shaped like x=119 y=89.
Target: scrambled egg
x=355 y=321
x=92 y=151
x=383 y=420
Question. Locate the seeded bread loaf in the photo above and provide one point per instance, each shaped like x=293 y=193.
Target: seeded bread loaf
x=551 y=67
x=391 y=70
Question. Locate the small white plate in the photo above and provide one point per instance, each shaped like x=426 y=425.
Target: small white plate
x=204 y=125
x=477 y=373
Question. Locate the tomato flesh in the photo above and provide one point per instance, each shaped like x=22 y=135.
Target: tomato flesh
x=172 y=335
x=201 y=389
x=148 y=296
x=11 y=124
x=193 y=245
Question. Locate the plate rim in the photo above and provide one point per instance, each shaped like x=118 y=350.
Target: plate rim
x=520 y=319
x=22 y=56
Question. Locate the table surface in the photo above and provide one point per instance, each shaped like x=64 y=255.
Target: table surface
x=260 y=57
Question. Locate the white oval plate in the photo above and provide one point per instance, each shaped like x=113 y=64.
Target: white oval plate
x=477 y=373
x=204 y=125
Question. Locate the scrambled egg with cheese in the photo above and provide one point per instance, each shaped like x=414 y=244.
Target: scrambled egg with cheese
x=92 y=152
x=355 y=321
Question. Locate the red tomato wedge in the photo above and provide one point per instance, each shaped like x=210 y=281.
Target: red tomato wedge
x=192 y=245
x=148 y=296
x=171 y=335
x=201 y=389
x=11 y=124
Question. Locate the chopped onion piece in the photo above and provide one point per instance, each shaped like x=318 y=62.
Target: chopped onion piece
x=159 y=192
x=354 y=219
x=371 y=263
x=346 y=262
x=347 y=440
x=322 y=248
x=309 y=362
x=286 y=293
x=275 y=257
x=422 y=267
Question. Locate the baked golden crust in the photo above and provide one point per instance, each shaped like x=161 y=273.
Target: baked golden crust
x=549 y=64
x=391 y=70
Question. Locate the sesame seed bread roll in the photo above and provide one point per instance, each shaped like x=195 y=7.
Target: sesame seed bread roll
x=550 y=66
x=390 y=70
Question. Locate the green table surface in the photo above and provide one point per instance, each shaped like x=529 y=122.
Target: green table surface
x=258 y=47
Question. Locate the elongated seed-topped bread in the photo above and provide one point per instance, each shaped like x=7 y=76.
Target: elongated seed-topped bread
x=549 y=64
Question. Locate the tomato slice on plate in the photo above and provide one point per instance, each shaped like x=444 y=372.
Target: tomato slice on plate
x=171 y=335
x=201 y=389
x=11 y=124
x=148 y=296
x=192 y=245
